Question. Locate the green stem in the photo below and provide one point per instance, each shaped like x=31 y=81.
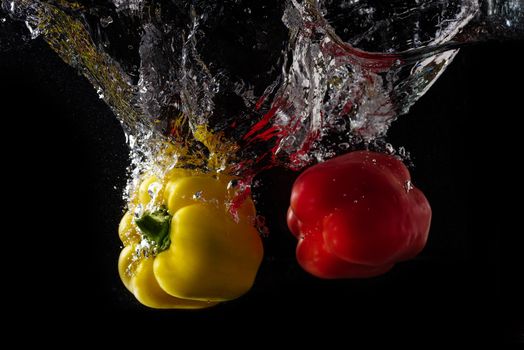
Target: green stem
x=155 y=227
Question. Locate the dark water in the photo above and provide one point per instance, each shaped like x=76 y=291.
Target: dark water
x=464 y=286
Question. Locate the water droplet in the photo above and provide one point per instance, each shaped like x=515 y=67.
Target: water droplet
x=390 y=149
x=197 y=195
x=153 y=190
x=34 y=31
x=100 y=93
x=408 y=186
x=138 y=211
x=106 y=21
x=232 y=184
x=260 y=224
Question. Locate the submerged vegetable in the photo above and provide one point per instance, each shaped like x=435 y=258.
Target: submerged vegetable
x=357 y=215
x=184 y=249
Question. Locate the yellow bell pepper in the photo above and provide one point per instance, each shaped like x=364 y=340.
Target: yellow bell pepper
x=185 y=250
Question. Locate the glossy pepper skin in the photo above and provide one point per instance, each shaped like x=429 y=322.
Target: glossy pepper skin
x=211 y=257
x=357 y=215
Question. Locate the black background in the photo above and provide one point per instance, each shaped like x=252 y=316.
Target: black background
x=65 y=162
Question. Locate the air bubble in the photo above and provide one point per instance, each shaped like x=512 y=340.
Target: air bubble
x=408 y=186
x=197 y=195
x=106 y=21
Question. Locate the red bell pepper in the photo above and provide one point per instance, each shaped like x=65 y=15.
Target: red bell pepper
x=357 y=215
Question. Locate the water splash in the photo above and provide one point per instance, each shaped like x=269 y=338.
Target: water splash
x=239 y=86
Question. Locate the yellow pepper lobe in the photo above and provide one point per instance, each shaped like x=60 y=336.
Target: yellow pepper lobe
x=127 y=231
x=148 y=292
x=144 y=196
x=142 y=283
x=210 y=258
x=124 y=263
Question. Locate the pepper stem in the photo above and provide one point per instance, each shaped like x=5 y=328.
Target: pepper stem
x=154 y=225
